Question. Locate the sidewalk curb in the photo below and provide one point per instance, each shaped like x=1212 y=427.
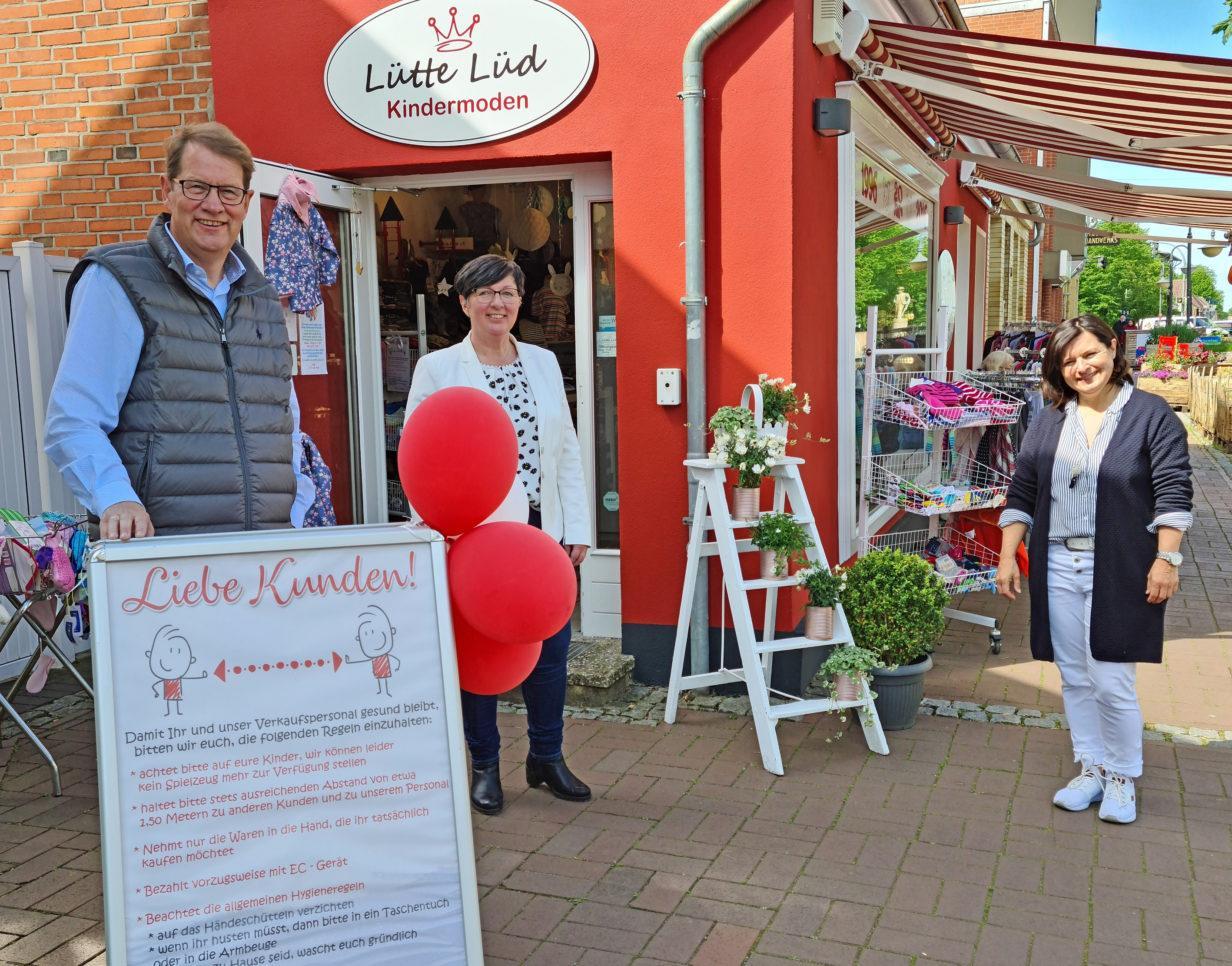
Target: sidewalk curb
x=645 y=707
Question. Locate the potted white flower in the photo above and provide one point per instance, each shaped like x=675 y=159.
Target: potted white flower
x=752 y=454
x=779 y=402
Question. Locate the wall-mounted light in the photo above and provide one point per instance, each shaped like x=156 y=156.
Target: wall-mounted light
x=920 y=262
x=831 y=116
x=954 y=214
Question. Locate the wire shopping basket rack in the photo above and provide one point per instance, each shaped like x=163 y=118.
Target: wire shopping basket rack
x=42 y=577
x=931 y=483
x=913 y=399
x=974 y=566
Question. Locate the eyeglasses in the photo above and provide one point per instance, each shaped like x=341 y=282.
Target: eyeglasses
x=228 y=194
x=484 y=296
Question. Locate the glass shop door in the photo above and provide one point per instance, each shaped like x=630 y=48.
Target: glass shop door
x=336 y=355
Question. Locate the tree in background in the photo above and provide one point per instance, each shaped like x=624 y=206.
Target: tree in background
x=881 y=271
x=1130 y=266
x=1223 y=29
x=1204 y=284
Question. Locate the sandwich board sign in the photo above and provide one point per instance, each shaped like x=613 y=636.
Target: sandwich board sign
x=281 y=767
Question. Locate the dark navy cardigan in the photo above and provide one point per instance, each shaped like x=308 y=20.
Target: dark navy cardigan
x=1145 y=472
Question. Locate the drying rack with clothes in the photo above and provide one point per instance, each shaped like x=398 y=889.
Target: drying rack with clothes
x=42 y=577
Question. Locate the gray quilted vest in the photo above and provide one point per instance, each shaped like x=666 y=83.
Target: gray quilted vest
x=205 y=432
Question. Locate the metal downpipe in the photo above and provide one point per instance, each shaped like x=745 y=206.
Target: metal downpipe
x=693 y=96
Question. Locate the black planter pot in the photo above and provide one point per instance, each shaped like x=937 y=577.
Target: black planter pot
x=899 y=693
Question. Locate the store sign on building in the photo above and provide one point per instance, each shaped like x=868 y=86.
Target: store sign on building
x=887 y=195
x=429 y=73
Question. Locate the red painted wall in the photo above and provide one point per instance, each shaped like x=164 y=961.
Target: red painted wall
x=771 y=207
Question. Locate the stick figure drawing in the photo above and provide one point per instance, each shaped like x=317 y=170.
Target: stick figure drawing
x=376 y=639
x=170 y=658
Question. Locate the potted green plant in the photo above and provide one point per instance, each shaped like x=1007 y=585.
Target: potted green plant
x=823 y=587
x=751 y=453
x=846 y=670
x=894 y=602
x=779 y=402
x=782 y=540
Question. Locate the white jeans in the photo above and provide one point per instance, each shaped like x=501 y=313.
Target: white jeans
x=1101 y=703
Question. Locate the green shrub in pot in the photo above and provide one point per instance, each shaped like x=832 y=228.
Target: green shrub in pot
x=894 y=604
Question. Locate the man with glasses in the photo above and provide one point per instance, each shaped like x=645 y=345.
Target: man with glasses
x=173 y=409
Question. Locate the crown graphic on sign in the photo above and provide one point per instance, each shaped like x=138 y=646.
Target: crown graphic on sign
x=453 y=39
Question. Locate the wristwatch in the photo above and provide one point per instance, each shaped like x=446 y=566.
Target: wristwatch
x=1171 y=556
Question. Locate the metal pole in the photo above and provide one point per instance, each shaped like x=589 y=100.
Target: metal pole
x=1168 y=296
x=693 y=96
x=1189 y=278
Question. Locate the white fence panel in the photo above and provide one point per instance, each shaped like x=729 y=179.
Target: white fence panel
x=32 y=330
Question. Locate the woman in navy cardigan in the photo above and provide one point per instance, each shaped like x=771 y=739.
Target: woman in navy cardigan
x=1103 y=484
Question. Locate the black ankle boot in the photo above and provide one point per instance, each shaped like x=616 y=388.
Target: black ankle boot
x=560 y=780
x=486 y=793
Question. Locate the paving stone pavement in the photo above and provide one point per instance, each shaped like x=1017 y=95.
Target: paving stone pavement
x=946 y=851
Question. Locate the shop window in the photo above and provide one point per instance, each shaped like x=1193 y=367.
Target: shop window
x=893 y=252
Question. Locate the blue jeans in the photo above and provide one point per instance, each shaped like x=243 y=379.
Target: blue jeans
x=544 y=694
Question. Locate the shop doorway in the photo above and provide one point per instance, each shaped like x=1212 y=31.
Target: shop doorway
x=557 y=224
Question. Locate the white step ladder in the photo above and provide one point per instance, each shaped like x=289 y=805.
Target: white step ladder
x=711 y=514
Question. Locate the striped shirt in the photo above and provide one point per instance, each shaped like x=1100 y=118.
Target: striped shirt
x=1075 y=473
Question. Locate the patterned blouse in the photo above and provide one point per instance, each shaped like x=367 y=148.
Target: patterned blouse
x=300 y=258
x=512 y=391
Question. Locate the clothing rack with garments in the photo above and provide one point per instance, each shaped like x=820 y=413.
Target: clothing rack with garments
x=944 y=480
x=1025 y=341
x=42 y=577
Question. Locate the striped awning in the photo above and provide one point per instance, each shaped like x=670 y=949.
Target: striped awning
x=1097 y=197
x=1102 y=102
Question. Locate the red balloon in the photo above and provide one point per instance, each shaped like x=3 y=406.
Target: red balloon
x=457 y=458
x=511 y=582
x=486 y=666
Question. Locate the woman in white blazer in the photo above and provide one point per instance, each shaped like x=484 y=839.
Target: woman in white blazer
x=526 y=380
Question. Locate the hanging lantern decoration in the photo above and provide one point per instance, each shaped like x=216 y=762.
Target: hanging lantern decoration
x=446 y=228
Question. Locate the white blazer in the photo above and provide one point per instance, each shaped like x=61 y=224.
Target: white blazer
x=563 y=501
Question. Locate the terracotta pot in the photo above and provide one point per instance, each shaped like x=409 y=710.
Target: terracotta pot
x=819 y=623
x=746 y=502
x=846 y=688
x=773 y=565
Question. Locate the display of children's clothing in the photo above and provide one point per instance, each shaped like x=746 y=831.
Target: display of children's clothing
x=300 y=255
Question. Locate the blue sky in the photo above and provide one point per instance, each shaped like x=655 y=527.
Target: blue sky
x=1174 y=26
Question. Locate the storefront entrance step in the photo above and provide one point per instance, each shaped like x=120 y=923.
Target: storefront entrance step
x=599 y=674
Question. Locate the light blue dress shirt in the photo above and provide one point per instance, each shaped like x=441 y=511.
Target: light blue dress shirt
x=101 y=352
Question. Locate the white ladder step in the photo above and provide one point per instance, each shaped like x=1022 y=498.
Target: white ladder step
x=792 y=709
x=780 y=644
x=758 y=583
x=747 y=524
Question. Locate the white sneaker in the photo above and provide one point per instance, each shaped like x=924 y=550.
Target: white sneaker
x=1119 y=804
x=1082 y=791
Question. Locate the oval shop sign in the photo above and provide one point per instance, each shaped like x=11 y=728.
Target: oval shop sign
x=437 y=74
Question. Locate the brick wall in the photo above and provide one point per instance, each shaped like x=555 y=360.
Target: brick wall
x=91 y=89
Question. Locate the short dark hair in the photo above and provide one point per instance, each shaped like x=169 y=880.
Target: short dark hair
x=488 y=270
x=1056 y=389
x=213 y=137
